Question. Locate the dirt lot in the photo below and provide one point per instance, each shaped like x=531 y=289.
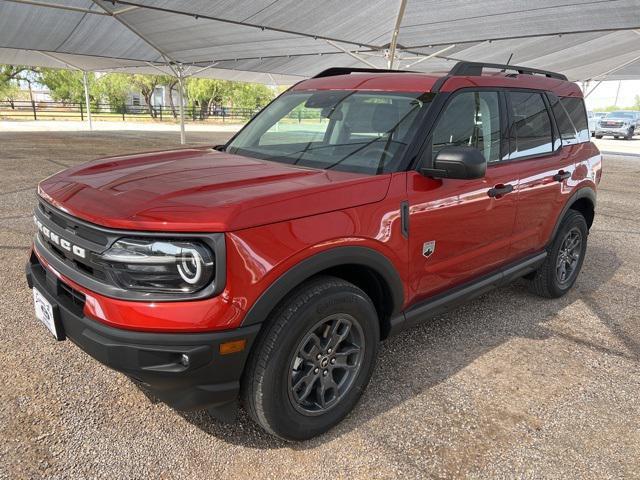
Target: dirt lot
x=508 y=386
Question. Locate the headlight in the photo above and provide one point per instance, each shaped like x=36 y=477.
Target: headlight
x=159 y=265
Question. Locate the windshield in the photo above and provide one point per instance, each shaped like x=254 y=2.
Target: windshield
x=620 y=115
x=354 y=131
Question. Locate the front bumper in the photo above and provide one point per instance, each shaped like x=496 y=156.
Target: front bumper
x=209 y=379
x=622 y=131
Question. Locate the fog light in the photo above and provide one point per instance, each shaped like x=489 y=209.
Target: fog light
x=184 y=360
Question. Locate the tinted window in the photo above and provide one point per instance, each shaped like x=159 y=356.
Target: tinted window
x=565 y=125
x=471 y=119
x=578 y=114
x=531 y=134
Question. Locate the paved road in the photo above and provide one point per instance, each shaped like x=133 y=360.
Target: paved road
x=507 y=386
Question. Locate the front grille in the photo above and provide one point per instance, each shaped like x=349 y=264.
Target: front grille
x=92 y=240
x=67 y=223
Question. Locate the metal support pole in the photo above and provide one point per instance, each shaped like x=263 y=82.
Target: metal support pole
x=86 y=98
x=396 y=30
x=183 y=138
x=351 y=54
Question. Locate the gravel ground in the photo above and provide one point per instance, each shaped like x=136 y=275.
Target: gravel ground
x=507 y=386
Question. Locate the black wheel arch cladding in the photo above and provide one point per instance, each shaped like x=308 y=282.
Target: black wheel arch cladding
x=323 y=262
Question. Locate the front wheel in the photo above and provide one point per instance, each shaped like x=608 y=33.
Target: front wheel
x=314 y=359
x=565 y=256
x=598 y=136
x=629 y=135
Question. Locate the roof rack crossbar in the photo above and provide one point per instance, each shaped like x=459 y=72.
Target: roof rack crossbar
x=332 y=72
x=475 y=69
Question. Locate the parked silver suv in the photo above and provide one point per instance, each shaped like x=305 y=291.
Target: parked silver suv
x=619 y=124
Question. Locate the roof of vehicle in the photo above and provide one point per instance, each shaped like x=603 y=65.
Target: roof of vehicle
x=402 y=81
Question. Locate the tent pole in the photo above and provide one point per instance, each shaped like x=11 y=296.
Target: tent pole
x=435 y=54
x=394 y=35
x=183 y=139
x=351 y=54
x=86 y=98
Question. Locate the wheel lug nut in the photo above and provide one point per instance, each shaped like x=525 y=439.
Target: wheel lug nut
x=333 y=360
x=325 y=373
x=316 y=370
x=318 y=357
x=329 y=351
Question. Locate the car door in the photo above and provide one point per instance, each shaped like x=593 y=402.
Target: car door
x=460 y=229
x=544 y=165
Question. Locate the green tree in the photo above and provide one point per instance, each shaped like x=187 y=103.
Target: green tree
x=204 y=94
x=9 y=92
x=170 y=83
x=251 y=95
x=146 y=84
x=66 y=85
x=636 y=105
x=113 y=88
x=10 y=75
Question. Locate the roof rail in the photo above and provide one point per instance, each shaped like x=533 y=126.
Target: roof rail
x=475 y=69
x=333 y=71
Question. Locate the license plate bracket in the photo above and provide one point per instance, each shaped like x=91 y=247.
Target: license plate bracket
x=48 y=314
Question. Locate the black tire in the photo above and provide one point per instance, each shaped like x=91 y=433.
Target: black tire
x=598 y=136
x=547 y=280
x=271 y=374
x=615 y=137
x=629 y=135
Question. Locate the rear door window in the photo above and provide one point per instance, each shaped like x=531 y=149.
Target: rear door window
x=531 y=133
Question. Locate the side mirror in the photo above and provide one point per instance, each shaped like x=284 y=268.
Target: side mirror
x=464 y=163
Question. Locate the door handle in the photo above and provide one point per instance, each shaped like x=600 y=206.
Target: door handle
x=500 y=190
x=561 y=176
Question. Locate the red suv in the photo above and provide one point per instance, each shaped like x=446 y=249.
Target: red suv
x=356 y=204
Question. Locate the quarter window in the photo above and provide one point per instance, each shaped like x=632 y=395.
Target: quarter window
x=531 y=133
x=565 y=125
x=471 y=119
x=578 y=114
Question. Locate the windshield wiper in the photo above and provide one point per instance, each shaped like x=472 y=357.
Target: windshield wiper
x=390 y=132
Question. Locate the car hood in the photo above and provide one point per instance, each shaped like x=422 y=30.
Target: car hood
x=617 y=119
x=202 y=190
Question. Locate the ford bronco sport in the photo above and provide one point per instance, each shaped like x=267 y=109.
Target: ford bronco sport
x=356 y=204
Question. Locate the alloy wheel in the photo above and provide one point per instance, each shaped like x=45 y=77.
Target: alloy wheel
x=569 y=256
x=325 y=364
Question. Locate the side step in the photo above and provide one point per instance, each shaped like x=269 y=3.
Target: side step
x=449 y=300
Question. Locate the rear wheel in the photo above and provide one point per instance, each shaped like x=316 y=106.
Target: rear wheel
x=598 y=136
x=314 y=359
x=565 y=256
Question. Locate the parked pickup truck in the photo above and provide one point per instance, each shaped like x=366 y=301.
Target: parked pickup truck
x=618 y=124
x=357 y=204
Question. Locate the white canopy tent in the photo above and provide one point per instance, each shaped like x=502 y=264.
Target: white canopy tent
x=283 y=41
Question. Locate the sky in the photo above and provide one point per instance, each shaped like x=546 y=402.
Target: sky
x=605 y=94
